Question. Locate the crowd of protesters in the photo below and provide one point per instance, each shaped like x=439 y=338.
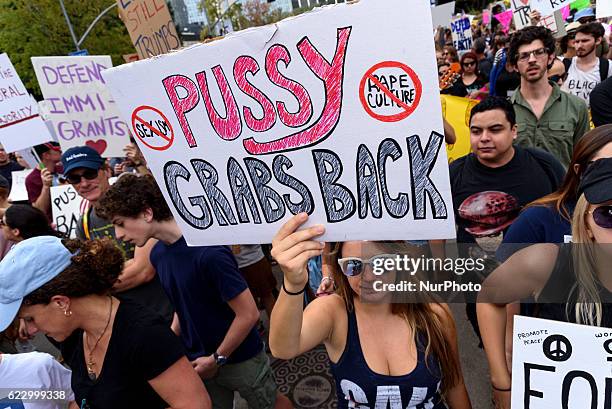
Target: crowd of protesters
x=142 y=320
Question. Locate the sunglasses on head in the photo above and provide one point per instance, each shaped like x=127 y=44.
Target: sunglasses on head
x=353 y=266
x=75 y=178
x=603 y=216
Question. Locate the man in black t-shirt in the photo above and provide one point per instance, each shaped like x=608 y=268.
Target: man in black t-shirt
x=8 y=166
x=496 y=180
x=493 y=183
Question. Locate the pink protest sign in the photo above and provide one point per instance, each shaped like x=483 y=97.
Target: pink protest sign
x=565 y=12
x=486 y=17
x=505 y=19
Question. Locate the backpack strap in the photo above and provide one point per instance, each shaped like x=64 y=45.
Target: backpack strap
x=604 y=67
x=567 y=62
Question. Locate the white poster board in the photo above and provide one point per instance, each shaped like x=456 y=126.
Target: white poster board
x=80 y=107
x=29 y=156
x=554 y=23
x=548 y=7
x=604 y=8
x=20 y=123
x=442 y=15
x=315 y=115
x=66 y=206
x=520 y=12
x=462 y=34
x=18 y=188
x=560 y=365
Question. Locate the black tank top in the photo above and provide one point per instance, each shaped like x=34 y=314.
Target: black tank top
x=560 y=286
x=357 y=386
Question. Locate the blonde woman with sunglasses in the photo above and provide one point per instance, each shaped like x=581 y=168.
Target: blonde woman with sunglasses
x=382 y=352
x=570 y=282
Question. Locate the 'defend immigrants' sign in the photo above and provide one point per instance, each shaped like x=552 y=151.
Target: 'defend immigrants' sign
x=334 y=113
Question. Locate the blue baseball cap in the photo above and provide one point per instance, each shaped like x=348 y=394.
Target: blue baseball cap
x=81 y=157
x=588 y=12
x=29 y=265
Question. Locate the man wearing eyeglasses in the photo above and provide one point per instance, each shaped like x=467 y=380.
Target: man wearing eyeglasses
x=88 y=173
x=547 y=118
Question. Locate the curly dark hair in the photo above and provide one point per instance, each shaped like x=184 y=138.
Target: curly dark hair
x=528 y=35
x=96 y=266
x=132 y=195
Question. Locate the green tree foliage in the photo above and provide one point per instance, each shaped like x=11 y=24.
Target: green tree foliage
x=31 y=28
x=216 y=11
x=242 y=14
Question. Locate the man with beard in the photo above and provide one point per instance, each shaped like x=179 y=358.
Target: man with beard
x=585 y=70
x=547 y=118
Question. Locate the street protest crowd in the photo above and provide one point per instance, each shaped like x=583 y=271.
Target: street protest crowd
x=143 y=317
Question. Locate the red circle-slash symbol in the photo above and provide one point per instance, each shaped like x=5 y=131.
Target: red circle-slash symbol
x=406 y=109
x=155 y=131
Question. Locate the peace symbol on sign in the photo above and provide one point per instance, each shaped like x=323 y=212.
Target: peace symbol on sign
x=557 y=348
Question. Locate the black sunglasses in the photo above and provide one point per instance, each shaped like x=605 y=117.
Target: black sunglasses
x=603 y=216
x=75 y=178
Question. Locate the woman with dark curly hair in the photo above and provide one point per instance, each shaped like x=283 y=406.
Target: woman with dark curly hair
x=121 y=355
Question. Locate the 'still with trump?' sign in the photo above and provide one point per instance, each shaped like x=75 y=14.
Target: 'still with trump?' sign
x=333 y=113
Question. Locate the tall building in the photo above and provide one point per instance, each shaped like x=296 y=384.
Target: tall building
x=179 y=12
x=194 y=15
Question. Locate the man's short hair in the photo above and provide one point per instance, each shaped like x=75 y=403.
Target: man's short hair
x=480 y=45
x=131 y=195
x=528 y=35
x=593 y=29
x=491 y=103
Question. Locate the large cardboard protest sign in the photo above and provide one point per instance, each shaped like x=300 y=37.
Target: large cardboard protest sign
x=66 y=206
x=442 y=15
x=310 y=115
x=462 y=34
x=150 y=26
x=81 y=108
x=20 y=122
x=548 y=7
x=560 y=365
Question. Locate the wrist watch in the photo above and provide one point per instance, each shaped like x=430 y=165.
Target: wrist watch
x=220 y=360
